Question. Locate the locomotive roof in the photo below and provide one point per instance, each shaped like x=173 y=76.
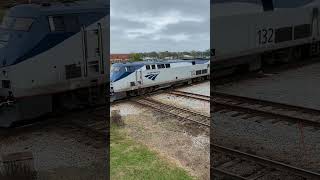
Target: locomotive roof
x=141 y=63
x=233 y=7
x=35 y=10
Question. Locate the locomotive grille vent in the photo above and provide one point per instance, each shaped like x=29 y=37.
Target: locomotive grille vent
x=302 y=31
x=6 y=84
x=94 y=65
x=73 y=71
x=283 y=34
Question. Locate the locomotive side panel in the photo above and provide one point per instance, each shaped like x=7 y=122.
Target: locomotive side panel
x=254 y=33
x=56 y=70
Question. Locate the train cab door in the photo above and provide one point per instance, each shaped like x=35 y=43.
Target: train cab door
x=139 y=78
x=315 y=47
x=93 y=51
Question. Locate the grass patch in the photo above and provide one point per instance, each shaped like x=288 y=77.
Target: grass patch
x=131 y=160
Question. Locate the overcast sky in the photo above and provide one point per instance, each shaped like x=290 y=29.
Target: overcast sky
x=159 y=25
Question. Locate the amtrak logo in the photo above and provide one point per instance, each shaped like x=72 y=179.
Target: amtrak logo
x=152 y=76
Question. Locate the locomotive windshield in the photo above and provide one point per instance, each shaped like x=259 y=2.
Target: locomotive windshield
x=18 y=24
x=115 y=69
x=120 y=71
x=116 y=72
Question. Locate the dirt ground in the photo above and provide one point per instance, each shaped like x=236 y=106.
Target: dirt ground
x=293 y=144
x=165 y=135
x=59 y=152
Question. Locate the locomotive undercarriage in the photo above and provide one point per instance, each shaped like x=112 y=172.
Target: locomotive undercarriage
x=255 y=62
x=29 y=109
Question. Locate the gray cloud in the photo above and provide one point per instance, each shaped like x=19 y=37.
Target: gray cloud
x=149 y=25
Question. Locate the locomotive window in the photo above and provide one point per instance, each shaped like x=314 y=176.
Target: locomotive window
x=153 y=66
x=115 y=69
x=72 y=23
x=160 y=66
x=302 y=31
x=147 y=67
x=130 y=69
x=22 y=24
x=283 y=34
x=167 y=65
x=67 y=23
x=19 y=24
x=198 y=72
x=57 y=23
x=7 y=22
x=204 y=71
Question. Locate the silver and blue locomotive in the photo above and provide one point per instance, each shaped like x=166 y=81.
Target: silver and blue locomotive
x=136 y=78
x=52 y=57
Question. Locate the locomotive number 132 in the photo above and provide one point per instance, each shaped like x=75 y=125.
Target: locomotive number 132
x=265 y=35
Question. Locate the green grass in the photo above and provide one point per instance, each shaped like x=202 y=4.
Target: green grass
x=131 y=160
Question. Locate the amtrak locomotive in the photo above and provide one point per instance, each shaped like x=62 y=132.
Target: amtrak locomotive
x=246 y=33
x=130 y=79
x=52 y=57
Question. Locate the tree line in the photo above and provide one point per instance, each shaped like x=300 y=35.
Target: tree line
x=165 y=54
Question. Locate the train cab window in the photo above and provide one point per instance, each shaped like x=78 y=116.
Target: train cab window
x=19 y=24
x=147 y=67
x=153 y=66
x=68 y=23
x=7 y=22
x=56 y=23
x=72 y=23
x=198 y=72
x=22 y=24
x=204 y=71
x=167 y=65
x=159 y=66
x=130 y=69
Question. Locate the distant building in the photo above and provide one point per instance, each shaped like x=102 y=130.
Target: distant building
x=119 y=58
x=148 y=58
x=168 y=58
x=187 y=57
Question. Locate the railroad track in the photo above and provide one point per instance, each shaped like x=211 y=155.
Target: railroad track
x=94 y=126
x=89 y=127
x=178 y=112
x=278 y=112
x=190 y=95
x=233 y=164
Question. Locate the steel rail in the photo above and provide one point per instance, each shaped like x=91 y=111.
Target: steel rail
x=267 y=162
x=165 y=108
